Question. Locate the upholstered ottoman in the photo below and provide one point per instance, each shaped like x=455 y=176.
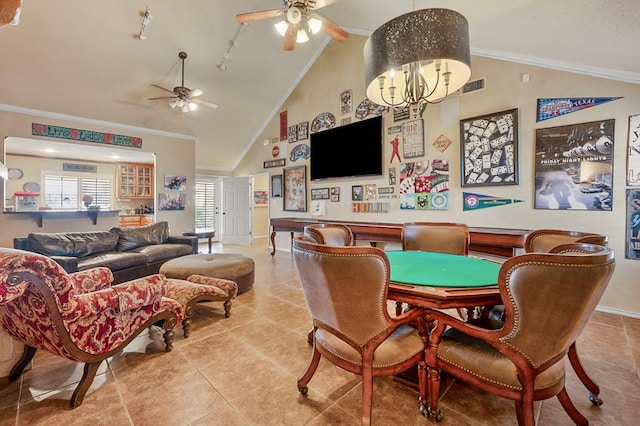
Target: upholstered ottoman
x=230 y=266
x=198 y=288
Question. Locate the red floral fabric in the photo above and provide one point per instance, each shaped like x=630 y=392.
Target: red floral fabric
x=227 y=286
x=40 y=303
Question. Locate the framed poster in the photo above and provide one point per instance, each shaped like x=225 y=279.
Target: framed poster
x=274 y=163
x=320 y=194
x=490 y=149
x=276 y=186
x=175 y=183
x=574 y=166
x=632 y=249
x=357 y=193
x=335 y=194
x=633 y=153
x=260 y=198
x=295 y=189
x=413 y=139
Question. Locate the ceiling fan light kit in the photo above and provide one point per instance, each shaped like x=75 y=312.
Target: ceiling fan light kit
x=298 y=23
x=418 y=58
x=183 y=97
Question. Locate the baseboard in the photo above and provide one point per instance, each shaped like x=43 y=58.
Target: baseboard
x=618 y=312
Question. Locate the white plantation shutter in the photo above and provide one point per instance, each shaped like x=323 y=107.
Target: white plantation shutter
x=205 y=197
x=65 y=191
x=99 y=189
x=61 y=192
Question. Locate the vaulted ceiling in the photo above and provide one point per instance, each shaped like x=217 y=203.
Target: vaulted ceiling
x=83 y=57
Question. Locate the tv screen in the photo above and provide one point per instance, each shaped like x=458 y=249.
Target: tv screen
x=347 y=151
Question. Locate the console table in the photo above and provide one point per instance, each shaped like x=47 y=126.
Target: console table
x=495 y=241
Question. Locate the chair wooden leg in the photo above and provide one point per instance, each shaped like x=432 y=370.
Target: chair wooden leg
x=308 y=374
x=25 y=359
x=422 y=382
x=90 y=369
x=571 y=409
x=589 y=383
x=367 y=393
x=434 y=394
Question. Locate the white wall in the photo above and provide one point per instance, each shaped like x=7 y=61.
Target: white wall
x=340 y=67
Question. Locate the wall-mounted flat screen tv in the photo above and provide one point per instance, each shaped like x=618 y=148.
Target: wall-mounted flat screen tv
x=352 y=150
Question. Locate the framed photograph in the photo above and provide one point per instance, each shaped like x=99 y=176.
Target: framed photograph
x=574 y=166
x=413 y=139
x=357 y=193
x=320 y=194
x=295 y=189
x=260 y=198
x=276 y=186
x=335 y=194
x=169 y=202
x=280 y=162
x=632 y=249
x=633 y=153
x=175 y=183
x=490 y=149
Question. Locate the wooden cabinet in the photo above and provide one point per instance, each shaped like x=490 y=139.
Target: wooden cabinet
x=127 y=221
x=135 y=180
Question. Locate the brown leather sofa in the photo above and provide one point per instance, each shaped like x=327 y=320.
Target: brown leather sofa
x=129 y=253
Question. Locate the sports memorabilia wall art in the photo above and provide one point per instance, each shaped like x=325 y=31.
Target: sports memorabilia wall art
x=633 y=154
x=574 y=166
x=555 y=107
x=490 y=154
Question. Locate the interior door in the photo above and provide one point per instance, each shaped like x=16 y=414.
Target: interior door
x=236 y=210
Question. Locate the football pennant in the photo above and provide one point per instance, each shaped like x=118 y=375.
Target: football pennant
x=555 y=107
x=479 y=201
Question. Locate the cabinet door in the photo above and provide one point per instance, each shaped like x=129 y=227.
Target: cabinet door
x=144 y=180
x=126 y=180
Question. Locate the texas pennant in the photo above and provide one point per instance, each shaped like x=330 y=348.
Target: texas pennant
x=479 y=201
x=555 y=107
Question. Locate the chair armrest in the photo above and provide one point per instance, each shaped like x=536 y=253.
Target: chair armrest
x=127 y=296
x=189 y=240
x=93 y=279
x=444 y=320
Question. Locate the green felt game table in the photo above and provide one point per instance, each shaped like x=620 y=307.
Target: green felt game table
x=441 y=281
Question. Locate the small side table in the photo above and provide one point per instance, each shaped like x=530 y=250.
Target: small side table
x=201 y=234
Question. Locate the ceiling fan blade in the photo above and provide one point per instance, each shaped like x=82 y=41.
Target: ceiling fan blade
x=321 y=3
x=256 y=16
x=204 y=103
x=162 y=97
x=197 y=92
x=162 y=88
x=290 y=37
x=331 y=29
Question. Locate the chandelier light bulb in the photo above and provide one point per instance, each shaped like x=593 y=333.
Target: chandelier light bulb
x=302 y=36
x=314 y=25
x=281 y=27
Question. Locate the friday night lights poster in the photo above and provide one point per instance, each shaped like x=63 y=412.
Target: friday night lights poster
x=573 y=166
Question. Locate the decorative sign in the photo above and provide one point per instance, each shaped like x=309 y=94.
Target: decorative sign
x=275 y=151
x=632 y=250
x=303 y=131
x=424 y=185
x=346 y=102
x=442 y=143
x=84 y=168
x=555 y=107
x=479 y=201
x=574 y=166
x=283 y=125
x=400 y=114
x=293 y=133
x=324 y=120
x=274 y=163
x=300 y=151
x=394 y=129
x=367 y=107
x=413 y=139
x=84 y=135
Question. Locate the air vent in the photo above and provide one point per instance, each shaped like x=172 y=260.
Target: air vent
x=474 y=86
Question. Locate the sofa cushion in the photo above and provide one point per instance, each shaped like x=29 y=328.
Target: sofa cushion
x=163 y=251
x=113 y=260
x=75 y=244
x=138 y=236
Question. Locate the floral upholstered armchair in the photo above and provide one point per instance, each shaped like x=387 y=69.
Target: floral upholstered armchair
x=78 y=316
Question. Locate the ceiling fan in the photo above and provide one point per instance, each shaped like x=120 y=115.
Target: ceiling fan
x=298 y=22
x=183 y=97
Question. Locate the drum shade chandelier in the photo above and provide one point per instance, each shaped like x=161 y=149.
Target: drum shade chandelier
x=418 y=58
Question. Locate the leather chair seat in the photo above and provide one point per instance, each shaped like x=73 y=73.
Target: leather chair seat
x=396 y=349
x=482 y=360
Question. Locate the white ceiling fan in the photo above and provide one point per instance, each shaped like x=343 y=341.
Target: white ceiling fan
x=184 y=98
x=298 y=22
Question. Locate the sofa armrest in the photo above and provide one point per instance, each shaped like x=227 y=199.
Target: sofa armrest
x=93 y=279
x=68 y=263
x=20 y=243
x=189 y=240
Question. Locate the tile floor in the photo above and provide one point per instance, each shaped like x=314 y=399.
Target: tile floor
x=242 y=370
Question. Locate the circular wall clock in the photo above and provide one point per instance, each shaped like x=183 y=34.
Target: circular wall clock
x=15 y=174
